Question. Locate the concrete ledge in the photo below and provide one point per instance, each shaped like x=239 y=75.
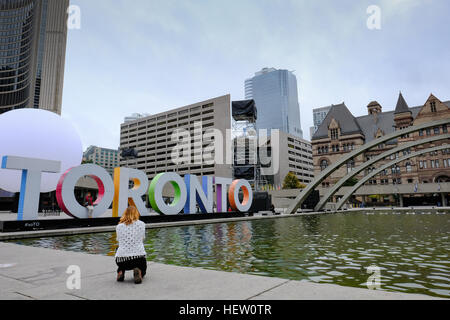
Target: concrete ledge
x=40 y=274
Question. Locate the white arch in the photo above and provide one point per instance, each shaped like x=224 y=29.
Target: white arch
x=372 y=161
x=375 y=172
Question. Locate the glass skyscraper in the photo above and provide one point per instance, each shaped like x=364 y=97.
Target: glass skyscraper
x=33 y=36
x=319 y=115
x=276 y=96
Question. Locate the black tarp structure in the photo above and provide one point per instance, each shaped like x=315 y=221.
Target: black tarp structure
x=262 y=201
x=244 y=110
x=129 y=153
x=247 y=173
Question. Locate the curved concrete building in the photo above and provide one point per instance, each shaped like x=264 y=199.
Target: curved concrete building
x=33 y=37
x=17 y=23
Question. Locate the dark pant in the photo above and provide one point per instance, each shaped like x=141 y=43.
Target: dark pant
x=140 y=263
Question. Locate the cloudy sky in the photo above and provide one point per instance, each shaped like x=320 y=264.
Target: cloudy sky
x=151 y=56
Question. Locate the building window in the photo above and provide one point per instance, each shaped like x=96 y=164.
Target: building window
x=395 y=169
x=408 y=167
x=433 y=106
x=421 y=132
x=446 y=163
x=444 y=128
x=436 y=130
x=434 y=164
x=323 y=165
x=334 y=134
x=350 y=165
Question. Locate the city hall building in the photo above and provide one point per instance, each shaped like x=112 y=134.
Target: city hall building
x=341 y=132
x=33 y=36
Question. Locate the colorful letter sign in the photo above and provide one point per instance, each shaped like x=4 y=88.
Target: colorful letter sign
x=155 y=193
x=31 y=182
x=66 y=186
x=188 y=193
x=123 y=196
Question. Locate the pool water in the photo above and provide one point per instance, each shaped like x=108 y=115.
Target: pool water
x=410 y=249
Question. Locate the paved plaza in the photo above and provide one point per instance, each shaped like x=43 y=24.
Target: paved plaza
x=39 y=273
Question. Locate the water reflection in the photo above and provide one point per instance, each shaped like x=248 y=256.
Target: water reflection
x=311 y=224
x=411 y=250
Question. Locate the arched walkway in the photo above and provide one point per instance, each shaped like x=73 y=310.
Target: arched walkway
x=372 y=161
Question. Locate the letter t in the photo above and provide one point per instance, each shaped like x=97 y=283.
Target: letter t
x=221 y=192
x=31 y=182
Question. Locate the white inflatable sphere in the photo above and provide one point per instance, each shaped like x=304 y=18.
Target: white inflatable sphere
x=36 y=133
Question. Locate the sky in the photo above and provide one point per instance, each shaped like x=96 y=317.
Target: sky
x=147 y=56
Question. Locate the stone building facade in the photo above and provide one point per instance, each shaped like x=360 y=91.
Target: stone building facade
x=341 y=132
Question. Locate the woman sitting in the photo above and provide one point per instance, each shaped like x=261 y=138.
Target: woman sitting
x=131 y=254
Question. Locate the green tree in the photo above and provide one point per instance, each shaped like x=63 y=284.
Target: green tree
x=291 y=182
x=350 y=182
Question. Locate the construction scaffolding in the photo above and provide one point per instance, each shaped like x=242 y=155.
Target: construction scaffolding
x=246 y=164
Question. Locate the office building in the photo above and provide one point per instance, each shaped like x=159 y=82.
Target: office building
x=319 y=115
x=276 y=96
x=152 y=137
x=33 y=36
x=106 y=158
x=294 y=155
x=136 y=116
x=299 y=159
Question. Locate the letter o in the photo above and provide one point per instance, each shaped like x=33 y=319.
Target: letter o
x=155 y=193
x=66 y=185
x=233 y=195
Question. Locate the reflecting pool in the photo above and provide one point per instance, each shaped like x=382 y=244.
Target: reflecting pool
x=410 y=249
